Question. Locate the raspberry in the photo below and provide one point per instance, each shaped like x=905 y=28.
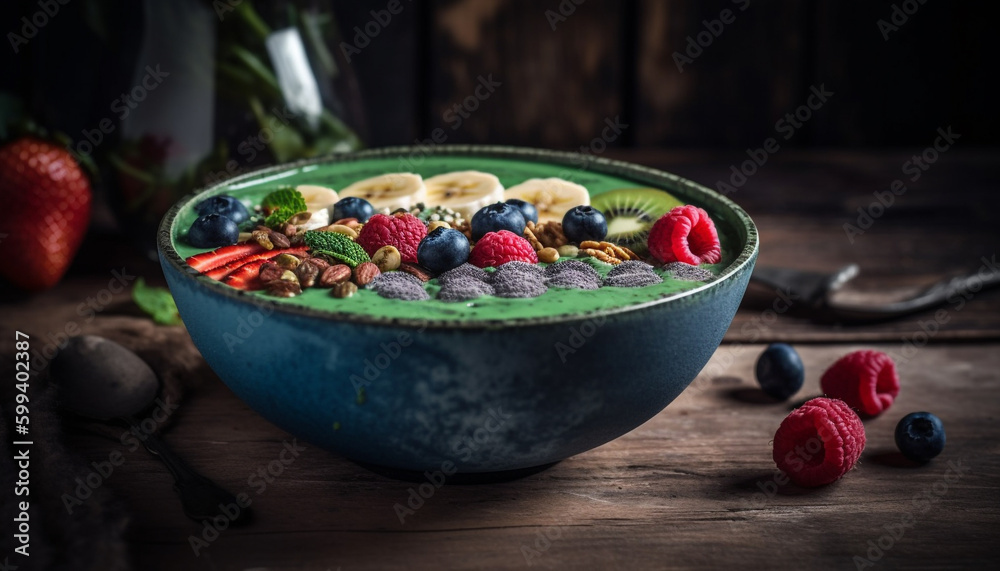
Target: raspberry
x=866 y=380
x=403 y=231
x=819 y=442
x=685 y=234
x=498 y=248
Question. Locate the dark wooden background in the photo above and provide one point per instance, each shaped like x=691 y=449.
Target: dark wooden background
x=615 y=57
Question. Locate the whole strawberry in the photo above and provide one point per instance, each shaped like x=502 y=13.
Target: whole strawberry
x=46 y=208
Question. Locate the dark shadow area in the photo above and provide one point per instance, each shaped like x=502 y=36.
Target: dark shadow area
x=751 y=395
x=892 y=459
x=458 y=478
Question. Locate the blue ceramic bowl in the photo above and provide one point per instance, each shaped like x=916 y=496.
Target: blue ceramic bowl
x=474 y=396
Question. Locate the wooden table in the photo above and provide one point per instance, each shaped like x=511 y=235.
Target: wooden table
x=693 y=487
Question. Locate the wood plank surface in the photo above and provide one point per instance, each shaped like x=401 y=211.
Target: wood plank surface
x=691 y=488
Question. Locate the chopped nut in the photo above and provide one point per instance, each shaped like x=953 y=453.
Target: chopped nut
x=333 y=275
x=345 y=222
x=279 y=240
x=319 y=263
x=269 y=271
x=589 y=244
x=289 y=230
x=437 y=224
x=263 y=237
x=387 y=258
x=344 y=289
x=365 y=273
x=300 y=218
x=287 y=261
x=345 y=230
x=283 y=288
x=288 y=276
x=533 y=240
x=568 y=251
x=307 y=273
x=416 y=271
x=244 y=236
x=602 y=256
x=548 y=255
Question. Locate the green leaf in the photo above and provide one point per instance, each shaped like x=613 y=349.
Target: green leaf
x=157 y=302
x=282 y=204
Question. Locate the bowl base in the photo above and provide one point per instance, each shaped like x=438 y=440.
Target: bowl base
x=460 y=478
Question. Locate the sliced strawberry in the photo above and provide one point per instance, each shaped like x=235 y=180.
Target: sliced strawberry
x=246 y=276
x=224 y=255
x=223 y=271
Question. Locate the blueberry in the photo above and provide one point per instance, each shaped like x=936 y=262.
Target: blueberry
x=224 y=205
x=582 y=223
x=212 y=231
x=442 y=250
x=920 y=436
x=780 y=371
x=527 y=209
x=353 y=207
x=496 y=217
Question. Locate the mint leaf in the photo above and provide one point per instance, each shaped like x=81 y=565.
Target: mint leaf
x=281 y=205
x=157 y=302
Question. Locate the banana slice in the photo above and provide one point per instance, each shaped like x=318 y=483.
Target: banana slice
x=464 y=192
x=392 y=191
x=317 y=197
x=551 y=196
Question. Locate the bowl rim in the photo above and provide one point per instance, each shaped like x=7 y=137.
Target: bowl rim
x=639 y=173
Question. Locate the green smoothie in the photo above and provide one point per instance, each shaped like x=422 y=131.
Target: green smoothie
x=555 y=302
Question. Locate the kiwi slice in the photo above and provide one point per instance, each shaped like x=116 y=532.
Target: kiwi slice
x=631 y=213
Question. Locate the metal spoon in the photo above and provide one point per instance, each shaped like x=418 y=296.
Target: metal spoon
x=813 y=291
x=101 y=380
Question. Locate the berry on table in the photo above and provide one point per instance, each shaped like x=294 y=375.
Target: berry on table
x=582 y=223
x=780 y=372
x=224 y=205
x=685 y=234
x=496 y=217
x=866 y=380
x=920 y=436
x=353 y=207
x=819 y=442
x=498 y=248
x=212 y=231
x=442 y=250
